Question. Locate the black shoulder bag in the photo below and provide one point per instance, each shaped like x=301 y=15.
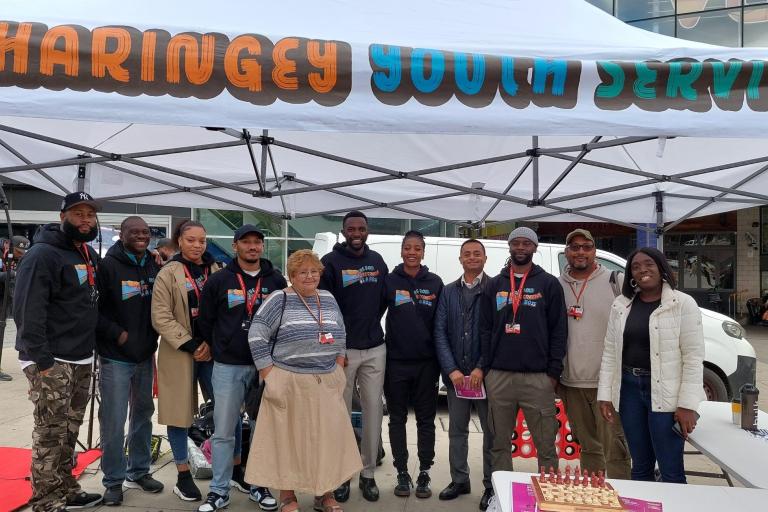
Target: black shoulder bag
x=256 y=389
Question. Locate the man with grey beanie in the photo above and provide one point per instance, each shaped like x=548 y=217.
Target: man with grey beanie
x=523 y=333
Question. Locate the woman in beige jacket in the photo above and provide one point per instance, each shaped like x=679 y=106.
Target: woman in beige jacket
x=183 y=358
x=652 y=367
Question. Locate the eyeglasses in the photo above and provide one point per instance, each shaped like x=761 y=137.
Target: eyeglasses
x=308 y=273
x=583 y=247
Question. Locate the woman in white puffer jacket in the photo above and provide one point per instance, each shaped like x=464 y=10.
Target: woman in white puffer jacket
x=652 y=367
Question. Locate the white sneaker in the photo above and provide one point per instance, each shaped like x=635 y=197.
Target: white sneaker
x=214 y=502
x=263 y=497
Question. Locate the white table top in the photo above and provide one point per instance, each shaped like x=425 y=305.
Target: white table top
x=673 y=497
x=733 y=449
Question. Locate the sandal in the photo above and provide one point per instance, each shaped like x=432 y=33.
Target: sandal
x=287 y=501
x=327 y=503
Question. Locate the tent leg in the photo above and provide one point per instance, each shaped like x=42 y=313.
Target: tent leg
x=660 y=220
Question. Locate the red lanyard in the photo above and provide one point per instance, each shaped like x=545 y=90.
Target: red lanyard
x=88 y=266
x=250 y=302
x=194 y=283
x=319 y=317
x=583 y=287
x=517 y=296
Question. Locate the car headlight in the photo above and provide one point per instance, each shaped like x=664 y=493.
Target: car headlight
x=733 y=330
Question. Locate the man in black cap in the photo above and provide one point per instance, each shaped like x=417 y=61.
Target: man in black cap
x=229 y=300
x=55 y=309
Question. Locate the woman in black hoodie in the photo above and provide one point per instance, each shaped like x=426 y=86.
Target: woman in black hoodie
x=183 y=356
x=412 y=292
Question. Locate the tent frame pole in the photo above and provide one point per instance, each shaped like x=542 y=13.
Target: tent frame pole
x=659 y=230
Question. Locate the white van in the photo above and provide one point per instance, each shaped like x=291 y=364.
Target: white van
x=729 y=361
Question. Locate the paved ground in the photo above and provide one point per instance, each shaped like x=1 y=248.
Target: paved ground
x=16 y=425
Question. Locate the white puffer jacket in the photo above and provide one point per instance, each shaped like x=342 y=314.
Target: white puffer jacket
x=677 y=353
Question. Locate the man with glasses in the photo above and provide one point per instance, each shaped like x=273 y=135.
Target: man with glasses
x=523 y=331
x=589 y=292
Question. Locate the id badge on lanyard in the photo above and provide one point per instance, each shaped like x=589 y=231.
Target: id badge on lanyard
x=195 y=312
x=92 y=288
x=577 y=310
x=513 y=327
x=250 y=302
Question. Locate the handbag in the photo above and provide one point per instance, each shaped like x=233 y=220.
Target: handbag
x=256 y=388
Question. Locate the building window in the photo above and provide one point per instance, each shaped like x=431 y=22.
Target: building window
x=703 y=261
x=606 y=5
x=716 y=27
x=630 y=10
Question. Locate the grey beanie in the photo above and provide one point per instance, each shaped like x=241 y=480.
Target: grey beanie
x=523 y=232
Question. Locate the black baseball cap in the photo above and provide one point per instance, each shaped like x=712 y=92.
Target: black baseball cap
x=20 y=242
x=76 y=198
x=244 y=230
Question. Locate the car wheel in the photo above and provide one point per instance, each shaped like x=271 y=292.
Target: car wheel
x=714 y=387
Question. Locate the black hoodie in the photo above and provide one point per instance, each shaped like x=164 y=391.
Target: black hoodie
x=53 y=304
x=411 y=303
x=125 y=304
x=223 y=309
x=200 y=274
x=357 y=284
x=541 y=344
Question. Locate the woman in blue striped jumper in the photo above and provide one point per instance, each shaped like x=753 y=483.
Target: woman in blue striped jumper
x=303 y=426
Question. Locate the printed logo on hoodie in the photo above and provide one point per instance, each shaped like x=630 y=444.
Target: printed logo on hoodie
x=235 y=296
x=529 y=298
x=402 y=297
x=365 y=274
x=82 y=273
x=135 y=288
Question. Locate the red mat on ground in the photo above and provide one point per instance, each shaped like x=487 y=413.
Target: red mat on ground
x=15 y=487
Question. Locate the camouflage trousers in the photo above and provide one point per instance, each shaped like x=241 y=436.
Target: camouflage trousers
x=60 y=399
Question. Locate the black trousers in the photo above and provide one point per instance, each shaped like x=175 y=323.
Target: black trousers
x=412 y=383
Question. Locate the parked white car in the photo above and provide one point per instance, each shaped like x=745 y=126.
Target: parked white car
x=729 y=360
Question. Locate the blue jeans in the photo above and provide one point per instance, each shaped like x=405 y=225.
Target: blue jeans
x=230 y=383
x=177 y=436
x=649 y=434
x=121 y=384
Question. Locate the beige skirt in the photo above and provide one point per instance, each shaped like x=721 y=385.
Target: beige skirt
x=303 y=438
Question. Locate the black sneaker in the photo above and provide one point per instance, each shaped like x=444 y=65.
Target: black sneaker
x=146 y=483
x=422 y=485
x=404 y=484
x=263 y=497
x=238 y=479
x=113 y=496
x=214 y=502
x=185 y=487
x=83 y=500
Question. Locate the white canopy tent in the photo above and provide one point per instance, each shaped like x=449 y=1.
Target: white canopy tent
x=405 y=109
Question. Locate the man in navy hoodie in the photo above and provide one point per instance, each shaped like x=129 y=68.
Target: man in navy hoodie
x=55 y=307
x=126 y=344
x=230 y=299
x=523 y=333
x=412 y=294
x=354 y=274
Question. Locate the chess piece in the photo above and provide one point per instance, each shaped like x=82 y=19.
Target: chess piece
x=551 y=475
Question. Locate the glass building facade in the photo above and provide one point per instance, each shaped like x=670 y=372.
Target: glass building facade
x=720 y=22
x=283 y=237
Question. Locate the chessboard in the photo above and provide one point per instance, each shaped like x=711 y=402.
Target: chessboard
x=558 y=493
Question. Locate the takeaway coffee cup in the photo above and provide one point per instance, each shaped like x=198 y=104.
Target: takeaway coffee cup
x=736 y=411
